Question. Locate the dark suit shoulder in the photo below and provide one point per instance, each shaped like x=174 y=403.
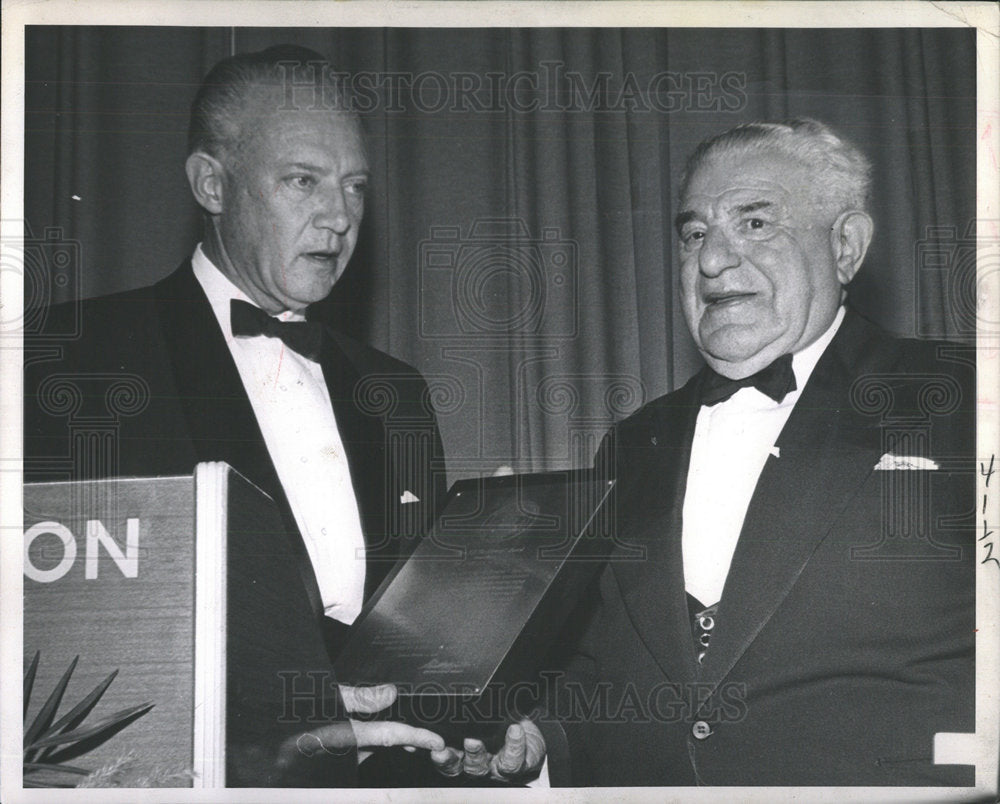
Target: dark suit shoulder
x=937 y=378
x=385 y=385
x=368 y=360
x=666 y=414
x=947 y=356
x=103 y=362
x=64 y=319
x=659 y=412
x=100 y=333
x=864 y=346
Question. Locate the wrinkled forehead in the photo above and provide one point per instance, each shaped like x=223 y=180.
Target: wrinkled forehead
x=772 y=200
x=267 y=105
x=276 y=134
x=725 y=184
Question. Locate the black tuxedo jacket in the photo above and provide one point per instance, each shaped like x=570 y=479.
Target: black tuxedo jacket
x=147 y=387
x=845 y=633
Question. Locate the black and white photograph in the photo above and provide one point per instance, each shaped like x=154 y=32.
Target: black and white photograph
x=424 y=400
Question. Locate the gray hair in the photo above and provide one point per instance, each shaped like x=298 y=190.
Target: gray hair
x=843 y=173
x=217 y=125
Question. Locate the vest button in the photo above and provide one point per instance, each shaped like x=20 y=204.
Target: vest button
x=701 y=730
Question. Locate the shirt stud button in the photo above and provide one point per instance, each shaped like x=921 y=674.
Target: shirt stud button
x=701 y=730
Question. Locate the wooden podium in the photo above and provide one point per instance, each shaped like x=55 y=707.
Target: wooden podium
x=186 y=586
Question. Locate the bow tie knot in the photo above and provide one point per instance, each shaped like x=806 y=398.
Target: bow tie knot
x=776 y=381
x=303 y=337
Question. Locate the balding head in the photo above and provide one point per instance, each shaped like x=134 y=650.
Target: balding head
x=241 y=91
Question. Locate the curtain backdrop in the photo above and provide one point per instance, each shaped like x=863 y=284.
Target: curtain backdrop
x=518 y=245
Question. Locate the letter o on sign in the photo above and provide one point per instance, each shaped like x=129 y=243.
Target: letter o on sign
x=69 y=551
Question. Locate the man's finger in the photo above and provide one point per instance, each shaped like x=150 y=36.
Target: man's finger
x=447 y=761
x=367 y=700
x=383 y=734
x=476 y=761
x=509 y=761
x=534 y=752
x=334 y=738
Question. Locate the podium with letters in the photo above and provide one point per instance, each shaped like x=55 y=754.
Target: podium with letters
x=173 y=582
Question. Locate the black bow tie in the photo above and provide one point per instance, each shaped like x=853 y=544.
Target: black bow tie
x=304 y=337
x=775 y=380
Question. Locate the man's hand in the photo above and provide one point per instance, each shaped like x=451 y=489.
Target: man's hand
x=383 y=733
x=367 y=700
x=338 y=738
x=519 y=760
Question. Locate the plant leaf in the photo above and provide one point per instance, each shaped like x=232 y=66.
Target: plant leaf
x=74 y=717
x=49 y=766
x=29 y=682
x=82 y=734
x=48 y=710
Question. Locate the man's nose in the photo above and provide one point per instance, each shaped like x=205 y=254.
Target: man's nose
x=332 y=212
x=716 y=253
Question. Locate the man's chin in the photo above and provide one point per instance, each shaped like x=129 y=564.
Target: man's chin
x=737 y=358
x=735 y=342
x=311 y=295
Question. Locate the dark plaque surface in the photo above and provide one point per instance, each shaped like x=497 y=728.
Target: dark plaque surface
x=483 y=594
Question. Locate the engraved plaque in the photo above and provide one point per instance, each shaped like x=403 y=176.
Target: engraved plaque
x=483 y=594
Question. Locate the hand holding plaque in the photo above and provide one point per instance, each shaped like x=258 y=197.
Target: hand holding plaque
x=520 y=758
x=473 y=609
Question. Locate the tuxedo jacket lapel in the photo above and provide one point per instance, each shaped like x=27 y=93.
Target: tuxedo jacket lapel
x=649 y=517
x=219 y=417
x=827 y=451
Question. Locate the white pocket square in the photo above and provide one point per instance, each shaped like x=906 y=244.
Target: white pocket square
x=408 y=497
x=889 y=462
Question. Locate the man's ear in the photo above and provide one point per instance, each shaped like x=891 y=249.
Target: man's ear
x=205 y=175
x=849 y=239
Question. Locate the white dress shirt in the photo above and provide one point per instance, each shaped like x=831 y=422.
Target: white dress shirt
x=732 y=442
x=292 y=404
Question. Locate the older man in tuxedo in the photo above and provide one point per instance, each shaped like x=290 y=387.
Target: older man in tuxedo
x=804 y=609
x=227 y=365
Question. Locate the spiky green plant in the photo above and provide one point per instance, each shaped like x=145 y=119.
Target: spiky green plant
x=49 y=743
